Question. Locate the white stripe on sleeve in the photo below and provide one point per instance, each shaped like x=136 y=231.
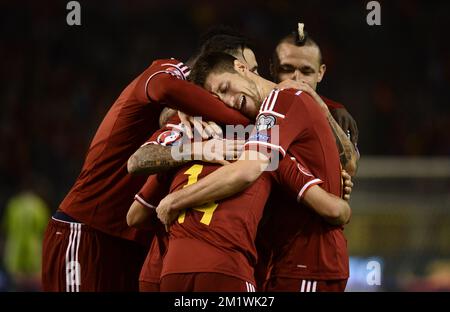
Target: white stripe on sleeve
x=143 y=202
x=306 y=186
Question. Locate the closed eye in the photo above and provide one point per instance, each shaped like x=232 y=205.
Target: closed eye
x=287 y=69
x=307 y=70
x=223 y=88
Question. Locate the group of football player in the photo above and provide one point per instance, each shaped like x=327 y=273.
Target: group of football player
x=260 y=212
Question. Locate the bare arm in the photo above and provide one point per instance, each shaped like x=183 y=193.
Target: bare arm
x=139 y=216
x=152 y=158
x=222 y=183
x=299 y=182
x=333 y=209
x=348 y=155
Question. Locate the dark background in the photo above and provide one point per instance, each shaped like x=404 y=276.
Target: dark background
x=58 y=81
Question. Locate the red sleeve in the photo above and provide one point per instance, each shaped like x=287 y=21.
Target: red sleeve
x=332 y=104
x=165 y=83
x=155 y=188
x=284 y=116
x=159 y=68
x=294 y=177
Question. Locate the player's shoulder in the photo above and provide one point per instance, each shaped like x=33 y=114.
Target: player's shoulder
x=280 y=98
x=171 y=66
x=169 y=61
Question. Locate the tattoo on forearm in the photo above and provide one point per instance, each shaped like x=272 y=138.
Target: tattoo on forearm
x=154 y=158
x=344 y=145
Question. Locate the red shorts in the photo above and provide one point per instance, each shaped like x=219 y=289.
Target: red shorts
x=204 y=282
x=148 y=286
x=275 y=284
x=149 y=278
x=79 y=258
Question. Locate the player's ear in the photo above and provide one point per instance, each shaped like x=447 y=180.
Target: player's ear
x=240 y=67
x=321 y=73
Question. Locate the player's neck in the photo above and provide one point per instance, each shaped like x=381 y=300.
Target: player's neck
x=264 y=86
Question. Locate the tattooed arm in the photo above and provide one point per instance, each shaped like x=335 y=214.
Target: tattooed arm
x=153 y=158
x=348 y=154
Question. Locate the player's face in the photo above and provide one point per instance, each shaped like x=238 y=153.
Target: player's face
x=298 y=63
x=235 y=90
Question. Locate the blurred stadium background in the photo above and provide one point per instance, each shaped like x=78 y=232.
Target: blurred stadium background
x=59 y=81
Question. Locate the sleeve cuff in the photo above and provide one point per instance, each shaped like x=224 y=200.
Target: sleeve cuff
x=143 y=202
x=306 y=187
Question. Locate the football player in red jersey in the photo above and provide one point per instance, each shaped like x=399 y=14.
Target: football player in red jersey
x=208 y=250
x=148 y=159
x=304 y=132
x=298 y=57
x=88 y=245
x=288 y=246
x=233 y=46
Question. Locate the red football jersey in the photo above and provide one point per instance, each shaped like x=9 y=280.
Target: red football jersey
x=209 y=241
x=304 y=245
x=292 y=120
x=220 y=237
x=317 y=250
x=104 y=190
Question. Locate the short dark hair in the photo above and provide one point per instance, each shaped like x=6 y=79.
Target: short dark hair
x=222 y=39
x=215 y=62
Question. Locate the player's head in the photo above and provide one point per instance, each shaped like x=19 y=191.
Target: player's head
x=230 y=80
x=298 y=57
x=228 y=40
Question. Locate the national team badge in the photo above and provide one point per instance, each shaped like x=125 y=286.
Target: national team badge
x=170 y=138
x=265 y=122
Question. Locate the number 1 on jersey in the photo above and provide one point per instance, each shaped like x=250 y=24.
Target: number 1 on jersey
x=207 y=209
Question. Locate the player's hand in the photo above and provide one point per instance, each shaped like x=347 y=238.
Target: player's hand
x=288 y=84
x=303 y=86
x=348 y=185
x=164 y=211
x=347 y=123
x=219 y=151
x=207 y=129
